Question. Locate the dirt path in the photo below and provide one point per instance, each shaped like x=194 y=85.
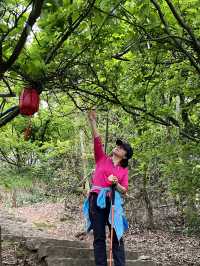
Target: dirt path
x=48 y=221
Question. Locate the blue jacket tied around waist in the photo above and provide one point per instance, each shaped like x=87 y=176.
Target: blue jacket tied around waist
x=120 y=222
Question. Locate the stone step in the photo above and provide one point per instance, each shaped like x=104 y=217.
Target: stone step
x=83 y=262
x=35 y=243
x=71 y=252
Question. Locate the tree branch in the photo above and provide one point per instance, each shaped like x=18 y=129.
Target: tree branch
x=183 y=24
x=9 y=115
x=176 y=42
x=3 y=95
x=15 y=22
x=69 y=31
x=6 y=159
x=11 y=93
x=35 y=13
x=193 y=101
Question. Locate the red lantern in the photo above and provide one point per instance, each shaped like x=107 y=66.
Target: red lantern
x=29 y=101
x=28 y=105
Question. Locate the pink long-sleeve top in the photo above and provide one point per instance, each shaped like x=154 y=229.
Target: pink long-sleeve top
x=105 y=167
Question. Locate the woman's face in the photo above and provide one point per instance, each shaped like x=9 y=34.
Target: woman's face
x=119 y=152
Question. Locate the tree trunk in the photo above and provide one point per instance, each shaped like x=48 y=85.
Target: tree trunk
x=147 y=201
x=149 y=209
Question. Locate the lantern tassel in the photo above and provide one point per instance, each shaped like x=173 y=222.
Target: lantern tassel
x=28 y=130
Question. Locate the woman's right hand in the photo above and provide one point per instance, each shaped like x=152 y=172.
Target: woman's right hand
x=113 y=179
x=92 y=119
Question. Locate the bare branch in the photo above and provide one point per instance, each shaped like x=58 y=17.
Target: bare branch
x=2 y=95
x=9 y=115
x=149 y=39
x=125 y=51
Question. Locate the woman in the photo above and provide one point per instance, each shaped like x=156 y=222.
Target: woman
x=109 y=170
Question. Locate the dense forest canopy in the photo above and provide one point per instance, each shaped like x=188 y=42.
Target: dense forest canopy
x=139 y=60
x=140 y=55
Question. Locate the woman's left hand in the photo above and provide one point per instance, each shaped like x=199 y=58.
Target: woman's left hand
x=113 y=179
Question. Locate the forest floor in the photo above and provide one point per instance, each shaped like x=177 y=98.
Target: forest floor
x=51 y=220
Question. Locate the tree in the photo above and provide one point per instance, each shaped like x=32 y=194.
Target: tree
x=79 y=48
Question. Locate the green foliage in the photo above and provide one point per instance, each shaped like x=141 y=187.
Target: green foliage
x=192 y=223
x=11 y=179
x=120 y=57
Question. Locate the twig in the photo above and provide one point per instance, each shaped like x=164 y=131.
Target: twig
x=9 y=88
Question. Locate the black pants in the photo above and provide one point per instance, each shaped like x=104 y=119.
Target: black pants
x=99 y=219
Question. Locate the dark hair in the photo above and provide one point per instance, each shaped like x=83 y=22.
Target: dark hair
x=124 y=163
x=127 y=147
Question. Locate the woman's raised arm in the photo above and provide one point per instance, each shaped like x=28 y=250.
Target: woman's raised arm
x=98 y=147
x=93 y=124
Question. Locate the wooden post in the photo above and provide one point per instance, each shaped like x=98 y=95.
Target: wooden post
x=84 y=162
x=14 y=198
x=106 y=135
